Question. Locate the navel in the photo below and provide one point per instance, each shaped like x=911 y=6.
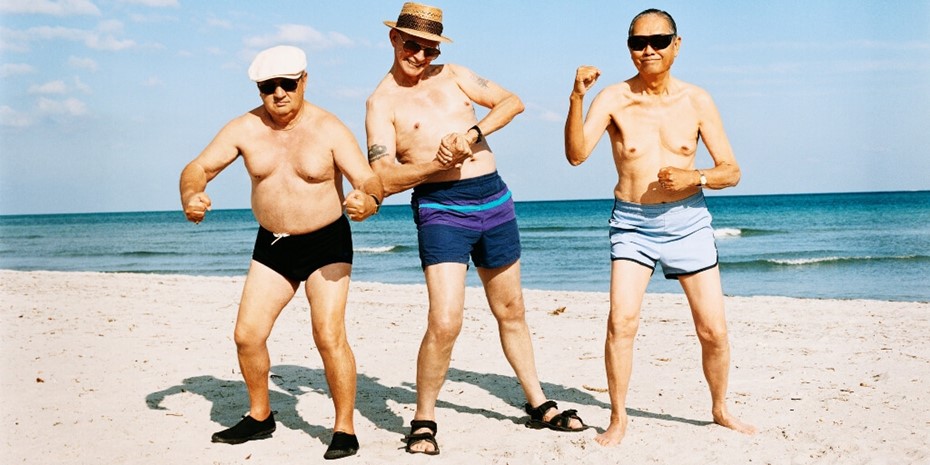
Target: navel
x=416 y=125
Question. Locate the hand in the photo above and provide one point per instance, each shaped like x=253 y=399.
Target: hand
x=585 y=77
x=359 y=205
x=453 y=151
x=197 y=206
x=676 y=179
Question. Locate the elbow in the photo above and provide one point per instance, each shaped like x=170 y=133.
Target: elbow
x=737 y=175
x=516 y=104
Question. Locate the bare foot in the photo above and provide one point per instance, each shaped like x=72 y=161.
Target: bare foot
x=729 y=421
x=614 y=434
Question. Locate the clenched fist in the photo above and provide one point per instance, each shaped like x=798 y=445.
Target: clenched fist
x=197 y=206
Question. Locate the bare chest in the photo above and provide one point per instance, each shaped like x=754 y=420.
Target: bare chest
x=648 y=129
x=423 y=117
x=288 y=157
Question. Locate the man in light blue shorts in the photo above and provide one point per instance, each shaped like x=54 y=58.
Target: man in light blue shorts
x=678 y=235
x=655 y=123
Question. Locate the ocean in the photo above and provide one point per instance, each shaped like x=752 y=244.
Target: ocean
x=846 y=246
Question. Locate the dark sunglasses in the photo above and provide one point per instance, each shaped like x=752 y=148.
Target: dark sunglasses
x=268 y=87
x=414 y=47
x=657 y=42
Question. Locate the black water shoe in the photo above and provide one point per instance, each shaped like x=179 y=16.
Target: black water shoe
x=247 y=429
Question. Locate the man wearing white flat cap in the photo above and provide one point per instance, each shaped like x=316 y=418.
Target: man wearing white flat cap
x=296 y=154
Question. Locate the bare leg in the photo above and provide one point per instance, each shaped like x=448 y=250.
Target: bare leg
x=445 y=283
x=628 y=282
x=705 y=296
x=505 y=297
x=327 y=291
x=263 y=297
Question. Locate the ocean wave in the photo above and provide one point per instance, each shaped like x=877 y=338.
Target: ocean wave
x=383 y=249
x=724 y=233
x=825 y=261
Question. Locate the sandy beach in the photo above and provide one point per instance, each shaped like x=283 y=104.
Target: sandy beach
x=141 y=369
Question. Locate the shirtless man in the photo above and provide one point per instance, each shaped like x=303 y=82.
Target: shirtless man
x=654 y=122
x=423 y=133
x=296 y=154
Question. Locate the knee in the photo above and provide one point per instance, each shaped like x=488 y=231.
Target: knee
x=713 y=337
x=622 y=326
x=444 y=329
x=329 y=336
x=511 y=312
x=248 y=338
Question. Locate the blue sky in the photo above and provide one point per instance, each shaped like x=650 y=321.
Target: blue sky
x=102 y=102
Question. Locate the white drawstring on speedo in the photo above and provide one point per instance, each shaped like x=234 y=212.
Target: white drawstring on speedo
x=278 y=237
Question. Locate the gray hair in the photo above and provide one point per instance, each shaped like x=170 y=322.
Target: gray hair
x=654 y=11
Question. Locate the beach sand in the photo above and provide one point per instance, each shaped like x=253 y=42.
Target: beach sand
x=141 y=369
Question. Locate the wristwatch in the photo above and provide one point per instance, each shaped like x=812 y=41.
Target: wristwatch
x=703 y=179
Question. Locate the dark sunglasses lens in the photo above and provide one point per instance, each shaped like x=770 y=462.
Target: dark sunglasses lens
x=289 y=85
x=414 y=47
x=636 y=42
x=660 y=42
x=268 y=87
x=657 y=42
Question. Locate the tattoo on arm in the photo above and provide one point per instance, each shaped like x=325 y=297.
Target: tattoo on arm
x=481 y=81
x=376 y=152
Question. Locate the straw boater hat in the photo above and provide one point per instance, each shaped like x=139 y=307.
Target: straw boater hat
x=420 y=20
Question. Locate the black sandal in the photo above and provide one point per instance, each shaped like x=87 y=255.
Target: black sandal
x=342 y=445
x=559 y=422
x=429 y=437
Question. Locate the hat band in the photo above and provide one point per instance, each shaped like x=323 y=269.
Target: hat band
x=419 y=24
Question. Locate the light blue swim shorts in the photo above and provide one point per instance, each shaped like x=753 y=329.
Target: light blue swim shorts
x=677 y=234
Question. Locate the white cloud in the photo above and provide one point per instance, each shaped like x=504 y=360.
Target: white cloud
x=67 y=107
x=98 y=40
x=220 y=23
x=153 y=81
x=12 y=118
x=82 y=63
x=298 y=34
x=544 y=114
x=52 y=87
x=50 y=7
x=13 y=69
x=79 y=85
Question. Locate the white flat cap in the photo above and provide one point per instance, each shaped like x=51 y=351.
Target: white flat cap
x=283 y=61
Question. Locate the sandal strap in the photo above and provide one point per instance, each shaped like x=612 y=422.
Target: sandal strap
x=537 y=413
x=418 y=424
x=564 y=419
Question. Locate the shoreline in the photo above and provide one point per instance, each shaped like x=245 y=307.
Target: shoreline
x=138 y=368
x=526 y=288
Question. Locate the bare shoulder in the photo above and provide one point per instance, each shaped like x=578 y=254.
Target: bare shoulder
x=698 y=96
x=321 y=119
x=461 y=74
x=616 y=93
x=246 y=123
x=382 y=90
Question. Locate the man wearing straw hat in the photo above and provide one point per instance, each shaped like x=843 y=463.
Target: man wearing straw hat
x=423 y=134
x=296 y=154
x=654 y=122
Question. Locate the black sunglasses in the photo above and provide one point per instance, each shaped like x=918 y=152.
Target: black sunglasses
x=414 y=47
x=268 y=87
x=657 y=42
